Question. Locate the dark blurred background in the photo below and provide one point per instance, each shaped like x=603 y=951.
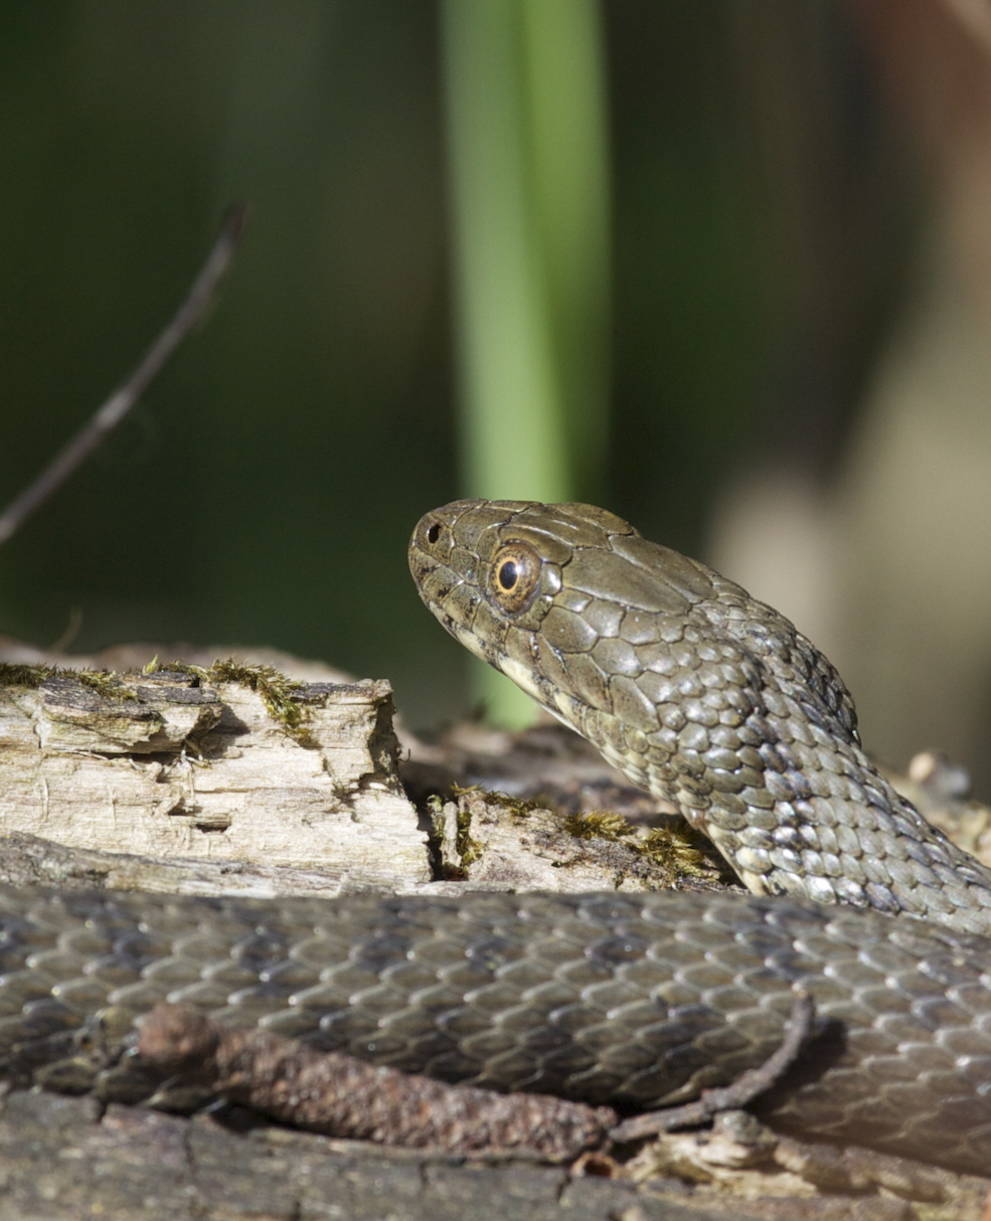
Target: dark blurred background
x=788 y=340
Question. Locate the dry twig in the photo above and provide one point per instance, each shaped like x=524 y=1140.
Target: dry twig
x=748 y=1086
x=123 y=399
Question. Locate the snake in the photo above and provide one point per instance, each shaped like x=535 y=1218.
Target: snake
x=706 y=698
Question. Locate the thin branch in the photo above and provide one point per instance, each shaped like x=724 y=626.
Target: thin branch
x=123 y=399
x=748 y=1086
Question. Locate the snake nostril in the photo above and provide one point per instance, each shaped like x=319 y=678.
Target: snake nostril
x=433 y=532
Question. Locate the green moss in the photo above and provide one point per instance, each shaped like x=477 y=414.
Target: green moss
x=518 y=807
x=677 y=852
x=598 y=824
x=155 y=666
x=24 y=676
x=277 y=691
x=468 y=849
x=105 y=683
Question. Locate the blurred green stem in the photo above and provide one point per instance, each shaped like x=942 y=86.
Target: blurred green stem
x=529 y=190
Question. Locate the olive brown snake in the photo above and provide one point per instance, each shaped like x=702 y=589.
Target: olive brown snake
x=703 y=696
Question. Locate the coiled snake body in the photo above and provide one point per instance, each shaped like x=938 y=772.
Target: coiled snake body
x=700 y=694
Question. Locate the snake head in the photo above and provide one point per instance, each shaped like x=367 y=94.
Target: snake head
x=557 y=597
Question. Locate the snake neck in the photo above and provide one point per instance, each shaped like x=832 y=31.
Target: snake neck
x=836 y=832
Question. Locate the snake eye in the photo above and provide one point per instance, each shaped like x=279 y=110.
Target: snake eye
x=508 y=575
x=515 y=574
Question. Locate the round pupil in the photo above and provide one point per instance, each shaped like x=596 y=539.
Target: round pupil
x=509 y=574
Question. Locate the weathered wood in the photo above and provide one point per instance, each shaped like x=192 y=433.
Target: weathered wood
x=172 y=765
x=60 y=1161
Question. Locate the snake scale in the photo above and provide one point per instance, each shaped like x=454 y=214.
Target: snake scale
x=700 y=694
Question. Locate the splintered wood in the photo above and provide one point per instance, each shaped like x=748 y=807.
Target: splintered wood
x=170 y=766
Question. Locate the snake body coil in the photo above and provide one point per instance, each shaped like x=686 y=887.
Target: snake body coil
x=700 y=694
